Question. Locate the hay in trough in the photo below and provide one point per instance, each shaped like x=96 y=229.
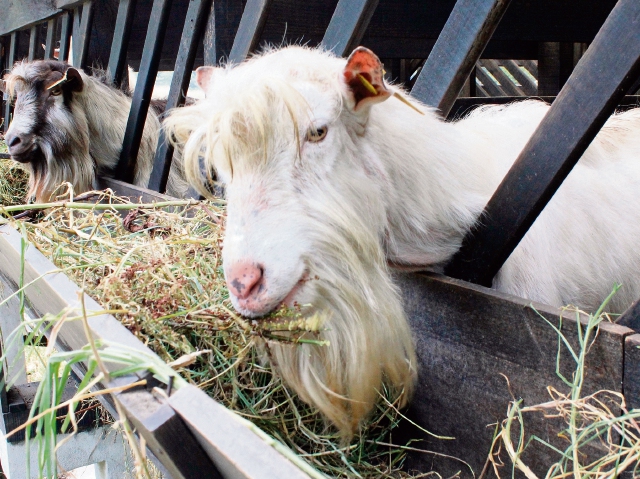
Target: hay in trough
x=13 y=180
x=161 y=268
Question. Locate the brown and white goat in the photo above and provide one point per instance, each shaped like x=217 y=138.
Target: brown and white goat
x=69 y=127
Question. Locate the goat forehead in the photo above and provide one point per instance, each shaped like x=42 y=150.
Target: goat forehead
x=37 y=74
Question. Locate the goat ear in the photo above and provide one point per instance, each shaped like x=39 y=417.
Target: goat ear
x=364 y=76
x=74 y=80
x=204 y=75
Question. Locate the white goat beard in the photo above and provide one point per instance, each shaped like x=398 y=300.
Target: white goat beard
x=43 y=183
x=369 y=343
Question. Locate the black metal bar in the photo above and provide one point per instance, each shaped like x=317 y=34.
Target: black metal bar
x=194 y=26
x=33 y=42
x=250 y=29
x=49 y=46
x=348 y=24
x=11 y=58
x=82 y=34
x=144 y=87
x=65 y=36
x=118 y=56
x=458 y=48
x=210 y=43
x=589 y=97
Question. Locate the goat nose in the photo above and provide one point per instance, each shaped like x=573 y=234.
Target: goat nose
x=18 y=144
x=242 y=277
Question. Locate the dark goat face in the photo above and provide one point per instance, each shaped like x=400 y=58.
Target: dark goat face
x=42 y=92
x=48 y=132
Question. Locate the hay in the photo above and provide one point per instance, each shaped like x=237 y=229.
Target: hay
x=162 y=269
x=13 y=180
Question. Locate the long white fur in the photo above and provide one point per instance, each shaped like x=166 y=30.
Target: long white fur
x=388 y=184
x=92 y=131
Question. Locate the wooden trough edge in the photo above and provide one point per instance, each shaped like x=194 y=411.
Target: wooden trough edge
x=189 y=433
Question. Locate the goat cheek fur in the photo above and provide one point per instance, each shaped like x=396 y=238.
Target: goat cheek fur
x=77 y=134
x=319 y=220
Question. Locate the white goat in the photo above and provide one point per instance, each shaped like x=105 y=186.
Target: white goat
x=326 y=182
x=69 y=126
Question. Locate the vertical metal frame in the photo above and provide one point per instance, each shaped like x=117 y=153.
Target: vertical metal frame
x=347 y=26
x=144 y=87
x=11 y=58
x=82 y=33
x=194 y=26
x=253 y=19
x=66 y=20
x=118 y=56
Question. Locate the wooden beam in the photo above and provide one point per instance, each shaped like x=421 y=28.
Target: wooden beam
x=194 y=26
x=458 y=48
x=529 y=87
x=631 y=381
x=144 y=88
x=82 y=33
x=49 y=45
x=66 y=20
x=478 y=349
x=590 y=96
x=233 y=446
x=488 y=84
x=348 y=24
x=118 y=57
x=11 y=58
x=17 y=15
x=253 y=19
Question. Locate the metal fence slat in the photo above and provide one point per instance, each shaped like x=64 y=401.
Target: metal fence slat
x=348 y=24
x=118 y=55
x=459 y=46
x=589 y=97
x=144 y=88
x=194 y=25
x=253 y=18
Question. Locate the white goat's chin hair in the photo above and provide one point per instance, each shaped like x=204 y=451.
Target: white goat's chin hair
x=369 y=343
x=45 y=181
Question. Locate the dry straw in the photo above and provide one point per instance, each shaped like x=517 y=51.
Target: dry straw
x=162 y=269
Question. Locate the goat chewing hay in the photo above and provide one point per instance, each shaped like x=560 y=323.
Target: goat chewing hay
x=163 y=270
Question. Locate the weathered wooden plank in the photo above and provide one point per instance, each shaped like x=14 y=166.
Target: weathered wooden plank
x=66 y=21
x=11 y=58
x=24 y=13
x=15 y=367
x=118 y=56
x=144 y=88
x=349 y=22
x=467 y=337
x=167 y=436
x=132 y=192
x=459 y=46
x=33 y=42
x=49 y=45
x=82 y=23
x=631 y=381
x=194 y=26
x=250 y=29
x=590 y=96
x=237 y=451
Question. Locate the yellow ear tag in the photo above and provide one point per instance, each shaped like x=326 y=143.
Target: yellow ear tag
x=367 y=85
x=407 y=102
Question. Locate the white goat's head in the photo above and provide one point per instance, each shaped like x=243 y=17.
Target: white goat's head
x=286 y=132
x=46 y=134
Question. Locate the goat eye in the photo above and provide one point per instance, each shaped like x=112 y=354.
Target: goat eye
x=55 y=91
x=316 y=134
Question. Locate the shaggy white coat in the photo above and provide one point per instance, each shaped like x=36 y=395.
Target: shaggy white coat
x=389 y=184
